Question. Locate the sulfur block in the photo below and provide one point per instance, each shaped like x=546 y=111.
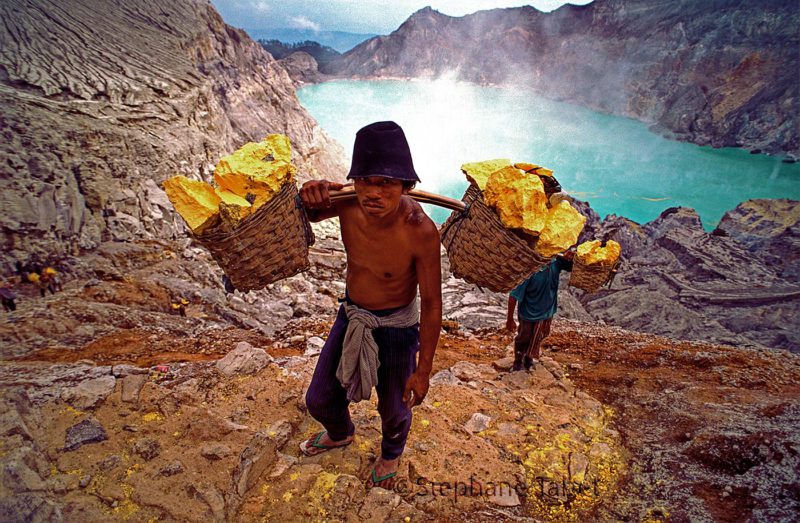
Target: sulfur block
x=232 y=198
x=479 y=172
x=518 y=198
x=195 y=201
x=593 y=253
x=232 y=215
x=257 y=171
x=280 y=146
x=527 y=167
x=562 y=228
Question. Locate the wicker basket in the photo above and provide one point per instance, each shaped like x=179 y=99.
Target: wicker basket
x=268 y=246
x=482 y=251
x=591 y=277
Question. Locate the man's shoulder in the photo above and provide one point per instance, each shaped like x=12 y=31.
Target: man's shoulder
x=348 y=210
x=418 y=221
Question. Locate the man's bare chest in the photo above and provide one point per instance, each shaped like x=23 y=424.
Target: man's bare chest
x=386 y=257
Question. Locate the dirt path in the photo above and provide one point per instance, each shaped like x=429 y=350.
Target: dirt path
x=708 y=428
x=711 y=429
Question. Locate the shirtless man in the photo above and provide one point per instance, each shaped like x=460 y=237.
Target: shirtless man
x=392 y=249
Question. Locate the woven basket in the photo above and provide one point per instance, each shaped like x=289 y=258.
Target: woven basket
x=482 y=251
x=591 y=277
x=268 y=246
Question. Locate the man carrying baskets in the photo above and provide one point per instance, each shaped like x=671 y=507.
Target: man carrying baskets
x=537 y=298
x=392 y=250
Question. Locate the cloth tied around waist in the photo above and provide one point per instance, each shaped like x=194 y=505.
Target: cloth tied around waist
x=358 y=366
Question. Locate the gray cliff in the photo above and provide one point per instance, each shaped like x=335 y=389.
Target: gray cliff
x=102 y=101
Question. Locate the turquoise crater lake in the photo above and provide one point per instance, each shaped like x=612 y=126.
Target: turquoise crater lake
x=614 y=163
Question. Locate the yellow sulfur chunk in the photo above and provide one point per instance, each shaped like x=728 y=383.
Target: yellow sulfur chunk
x=281 y=147
x=479 y=172
x=196 y=202
x=231 y=198
x=518 y=198
x=541 y=171
x=257 y=170
x=527 y=167
x=246 y=179
x=233 y=208
x=232 y=215
x=593 y=253
x=564 y=225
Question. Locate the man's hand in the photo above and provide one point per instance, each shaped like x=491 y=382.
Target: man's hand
x=416 y=389
x=511 y=325
x=315 y=193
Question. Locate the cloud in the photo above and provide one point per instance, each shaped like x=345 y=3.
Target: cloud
x=301 y=22
x=262 y=6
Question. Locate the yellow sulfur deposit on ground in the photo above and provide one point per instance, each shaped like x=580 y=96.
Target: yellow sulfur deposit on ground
x=246 y=180
x=195 y=201
x=562 y=228
x=479 y=172
x=518 y=198
x=257 y=170
x=594 y=253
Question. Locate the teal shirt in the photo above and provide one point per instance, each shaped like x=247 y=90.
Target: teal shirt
x=537 y=296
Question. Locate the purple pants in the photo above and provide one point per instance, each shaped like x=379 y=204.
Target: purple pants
x=327 y=401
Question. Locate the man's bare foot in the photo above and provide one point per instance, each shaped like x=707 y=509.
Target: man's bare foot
x=321 y=442
x=383 y=473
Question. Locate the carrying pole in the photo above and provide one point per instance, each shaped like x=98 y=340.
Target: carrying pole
x=349 y=192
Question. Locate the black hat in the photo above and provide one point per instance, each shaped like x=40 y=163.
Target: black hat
x=381 y=149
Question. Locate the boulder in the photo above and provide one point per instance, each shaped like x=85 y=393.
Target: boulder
x=244 y=359
x=478 y=423
x=89 y=393
x=87 y=431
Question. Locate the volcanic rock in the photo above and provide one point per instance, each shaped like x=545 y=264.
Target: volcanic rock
x=85 y=432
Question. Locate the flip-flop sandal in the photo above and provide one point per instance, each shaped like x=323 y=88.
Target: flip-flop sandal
x=375 y=479
x=304 y=446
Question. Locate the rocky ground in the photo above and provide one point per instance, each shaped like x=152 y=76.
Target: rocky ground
x=116 y=408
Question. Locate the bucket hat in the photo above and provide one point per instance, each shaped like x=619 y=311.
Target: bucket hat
x=381 y=149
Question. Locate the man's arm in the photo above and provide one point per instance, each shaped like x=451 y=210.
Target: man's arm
x=518 y=293
x=429 y=276
x=512 y=306
x=316 y=199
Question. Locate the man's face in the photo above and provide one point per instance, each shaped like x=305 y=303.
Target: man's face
x=378 y=195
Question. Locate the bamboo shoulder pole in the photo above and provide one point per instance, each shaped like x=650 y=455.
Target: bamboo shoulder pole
x=421 y=196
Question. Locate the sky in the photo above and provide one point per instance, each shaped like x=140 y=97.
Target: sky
x=354 y=16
